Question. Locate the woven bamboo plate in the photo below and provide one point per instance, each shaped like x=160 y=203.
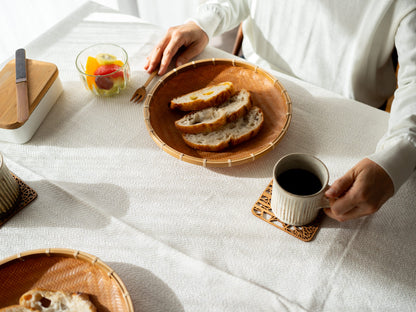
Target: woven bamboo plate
x=66 y=270
x=267 y=93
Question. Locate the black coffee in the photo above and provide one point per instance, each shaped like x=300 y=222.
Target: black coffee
x=299 y=182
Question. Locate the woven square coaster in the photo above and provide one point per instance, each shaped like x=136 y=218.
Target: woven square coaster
x=26 y=196
x=262 y=210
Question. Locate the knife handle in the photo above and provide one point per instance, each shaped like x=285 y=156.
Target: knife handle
x=22 y=102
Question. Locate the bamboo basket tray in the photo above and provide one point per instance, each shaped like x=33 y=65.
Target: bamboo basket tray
x=66 y=270
x=266 y=91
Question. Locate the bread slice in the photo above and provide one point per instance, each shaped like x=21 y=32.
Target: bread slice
x=231 y=134
x=56 y=301
x=203 y=98
x=212 y=118
x=16 y=308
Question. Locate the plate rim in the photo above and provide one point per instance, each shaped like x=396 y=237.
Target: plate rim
x=206 y=162
x=76 y=254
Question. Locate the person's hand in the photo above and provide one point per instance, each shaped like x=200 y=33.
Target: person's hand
x=360 y=192
x=189 y=35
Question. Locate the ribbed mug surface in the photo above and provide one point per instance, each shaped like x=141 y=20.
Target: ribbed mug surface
x=295 y=209
x=9 y=189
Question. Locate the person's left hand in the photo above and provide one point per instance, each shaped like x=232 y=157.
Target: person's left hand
x=360 y=192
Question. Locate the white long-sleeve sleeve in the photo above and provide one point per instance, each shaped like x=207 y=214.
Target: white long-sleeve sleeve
x=217 y=17
x=343 y=46
x=396 y=151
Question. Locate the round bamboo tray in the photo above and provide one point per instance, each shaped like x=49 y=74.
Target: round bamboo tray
x=266 y=91
x=66 y=270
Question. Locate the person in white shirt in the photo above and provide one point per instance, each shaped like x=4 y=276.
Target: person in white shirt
x=343 y=46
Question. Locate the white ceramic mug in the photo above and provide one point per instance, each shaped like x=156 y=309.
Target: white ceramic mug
x=297 y=196
x=9 y=189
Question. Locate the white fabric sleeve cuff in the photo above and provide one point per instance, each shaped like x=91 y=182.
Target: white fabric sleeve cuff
x=207 y=22
x=199 y=25
x=398 y=160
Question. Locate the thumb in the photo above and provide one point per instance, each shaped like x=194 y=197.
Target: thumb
x=340 y=186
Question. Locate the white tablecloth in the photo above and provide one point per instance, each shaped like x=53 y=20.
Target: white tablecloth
x=182 y=237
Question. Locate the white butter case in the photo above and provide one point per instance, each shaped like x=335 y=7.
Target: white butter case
x=44 y=88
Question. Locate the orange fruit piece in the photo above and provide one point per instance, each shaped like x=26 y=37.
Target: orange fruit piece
x=119 y=63
x=90 y=68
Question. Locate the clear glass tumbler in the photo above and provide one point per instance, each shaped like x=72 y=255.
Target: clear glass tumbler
x=104 y=68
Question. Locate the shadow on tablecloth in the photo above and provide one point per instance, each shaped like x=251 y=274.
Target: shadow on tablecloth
x=147 y=291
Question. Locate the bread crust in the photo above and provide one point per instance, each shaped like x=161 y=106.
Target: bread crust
x=203 y=126
x=186 y=103
x=52 y=301
x=213 y=118
x=225 y=138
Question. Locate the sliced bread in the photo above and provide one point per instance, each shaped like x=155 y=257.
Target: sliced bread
x=212 y=118
x=203 y=98
x=231 y=134
x=56 y=301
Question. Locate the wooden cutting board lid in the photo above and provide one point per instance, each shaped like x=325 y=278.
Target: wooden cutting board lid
x=40 y=77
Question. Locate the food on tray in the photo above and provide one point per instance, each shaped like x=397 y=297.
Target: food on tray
x=203 y=98
x=109 y=71
x=231 y=134
x=229 y=119
x=212 y=118
x=52 y=301
x=16 y=308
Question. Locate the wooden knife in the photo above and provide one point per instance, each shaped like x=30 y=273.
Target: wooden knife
x=21 y=86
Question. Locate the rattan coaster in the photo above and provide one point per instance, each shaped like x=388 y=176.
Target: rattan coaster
x=26 y=196
x=262 y=210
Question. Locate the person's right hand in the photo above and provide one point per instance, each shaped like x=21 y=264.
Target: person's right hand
x=189 y=35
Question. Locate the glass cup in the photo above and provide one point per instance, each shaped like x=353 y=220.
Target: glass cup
x=103 y=68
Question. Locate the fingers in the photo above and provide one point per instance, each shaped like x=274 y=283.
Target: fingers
x=343 y=207
x=354 y=213
x=339 y=197
x=172 y=47
x=189 y=53
x=189 y=35
x=163 y=53
x=340 y=186
x=360 y=192
x=154 y=59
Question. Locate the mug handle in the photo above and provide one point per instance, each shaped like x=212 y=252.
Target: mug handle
x=324 y=201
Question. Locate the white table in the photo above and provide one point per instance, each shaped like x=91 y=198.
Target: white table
x=182 y=237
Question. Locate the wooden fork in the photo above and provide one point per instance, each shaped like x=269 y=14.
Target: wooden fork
x=140 y=93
